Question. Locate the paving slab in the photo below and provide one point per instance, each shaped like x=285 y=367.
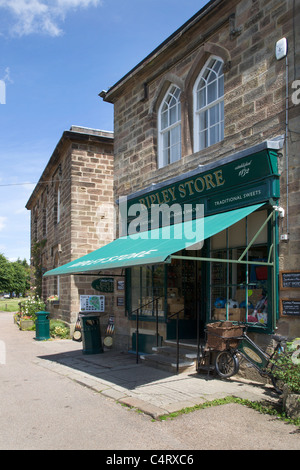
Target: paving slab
x=117 y=375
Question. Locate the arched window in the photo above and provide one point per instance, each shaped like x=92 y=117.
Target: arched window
x=57 y=204
x=209 y=105
x=169 y=139
x=45 y=219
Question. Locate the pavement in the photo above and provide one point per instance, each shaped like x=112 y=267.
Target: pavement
x=117 y=376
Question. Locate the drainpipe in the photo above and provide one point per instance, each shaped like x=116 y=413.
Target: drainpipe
x=286 y=141
x=281 y=52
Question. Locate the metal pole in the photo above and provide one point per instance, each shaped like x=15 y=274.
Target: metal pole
x=220 y=260
x=137 y=336
x=177 y=338
x=156 y=306
x=274 y=277
x=247 y=271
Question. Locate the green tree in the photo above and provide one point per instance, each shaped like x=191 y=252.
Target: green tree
x=20 y=278
x=6 y=274
x=14 y=276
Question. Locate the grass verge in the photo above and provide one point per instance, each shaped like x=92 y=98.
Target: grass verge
x=264 y=408
x=10 y=305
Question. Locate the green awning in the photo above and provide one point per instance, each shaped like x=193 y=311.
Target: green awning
x=154 y=246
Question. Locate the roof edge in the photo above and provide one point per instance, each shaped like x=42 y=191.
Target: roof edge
x=75 y=133
x=105 y=95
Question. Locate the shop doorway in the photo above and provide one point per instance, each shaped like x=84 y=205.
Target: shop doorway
x=186 y=297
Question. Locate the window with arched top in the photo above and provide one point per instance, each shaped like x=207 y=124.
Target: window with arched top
x=45 y=219
x=169 y=125
x=57 y=203
x=208 y=96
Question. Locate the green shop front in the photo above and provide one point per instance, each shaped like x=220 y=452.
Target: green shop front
x=189 y=271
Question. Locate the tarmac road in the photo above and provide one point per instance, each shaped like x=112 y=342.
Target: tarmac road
x=54 y=397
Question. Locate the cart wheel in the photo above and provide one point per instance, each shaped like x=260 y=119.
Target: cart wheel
x=227 y=364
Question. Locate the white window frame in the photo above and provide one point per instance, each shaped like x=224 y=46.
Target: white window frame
x=207 y=109
x=170 y=129
x=58 y=206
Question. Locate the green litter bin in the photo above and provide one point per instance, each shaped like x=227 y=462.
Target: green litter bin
x=42 y=326
x=91 y=335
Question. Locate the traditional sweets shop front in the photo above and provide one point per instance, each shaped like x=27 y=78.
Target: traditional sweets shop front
x=220 y=263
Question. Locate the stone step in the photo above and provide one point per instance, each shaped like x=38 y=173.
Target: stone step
x=183 y=343
x=184 y=353
x=167 y=362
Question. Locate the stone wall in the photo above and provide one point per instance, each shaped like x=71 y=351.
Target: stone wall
x=67 y=226
x=243 y=33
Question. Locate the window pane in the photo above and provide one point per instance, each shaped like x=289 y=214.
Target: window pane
x=175 y=153
x=214 y=115
x=222 y=121
x=211 y=77
x=164 y=119
x=175 y=135
x=203 y=120
x=203 y=140
x=170 y=138
x=217 y=66
x=201 y=98
x=173 y=115
x=165 y=157
x=175 y=144
x=209 y=98
x=212 y=92
x=214 y=134
x=221 y=86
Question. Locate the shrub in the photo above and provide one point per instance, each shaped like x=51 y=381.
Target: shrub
x=59 y=330
x=288 y=371
x=30 y=306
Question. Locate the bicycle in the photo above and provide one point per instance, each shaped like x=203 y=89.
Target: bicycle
x=227 y=361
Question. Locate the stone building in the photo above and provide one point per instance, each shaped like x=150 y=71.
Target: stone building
x=211 y=117
x=69 y=214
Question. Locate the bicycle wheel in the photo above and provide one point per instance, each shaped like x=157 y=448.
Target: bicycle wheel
x=227 y=364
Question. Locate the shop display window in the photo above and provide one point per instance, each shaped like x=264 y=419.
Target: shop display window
x=239 y=292
x=147 y=284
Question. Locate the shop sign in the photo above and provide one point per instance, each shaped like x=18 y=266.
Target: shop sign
x=238 y=174
x=239 y=197
x=290 y=307
x=92 y=303
x=105 y=284
x=290 y=280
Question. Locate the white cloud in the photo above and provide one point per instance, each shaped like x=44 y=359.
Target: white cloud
x=2 y=223
x=42 y=16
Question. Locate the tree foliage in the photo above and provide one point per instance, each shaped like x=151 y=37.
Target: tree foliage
x=14 y=276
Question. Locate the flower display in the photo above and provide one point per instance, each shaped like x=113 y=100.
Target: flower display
x=52 y=298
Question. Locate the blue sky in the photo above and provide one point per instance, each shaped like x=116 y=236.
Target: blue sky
x=55 y=57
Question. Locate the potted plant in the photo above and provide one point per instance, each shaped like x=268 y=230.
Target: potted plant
x=53 y=299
